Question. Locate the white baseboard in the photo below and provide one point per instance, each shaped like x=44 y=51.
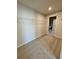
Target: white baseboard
x=57 y=36
x=30 y=41
x=22 y=44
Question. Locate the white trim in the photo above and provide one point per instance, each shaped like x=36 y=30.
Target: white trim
x=30 y=41
x=57 y=36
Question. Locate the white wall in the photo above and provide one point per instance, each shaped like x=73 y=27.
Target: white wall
x=30 y=24
x=58 y=24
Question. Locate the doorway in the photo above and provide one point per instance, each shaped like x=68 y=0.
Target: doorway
x=52 y=22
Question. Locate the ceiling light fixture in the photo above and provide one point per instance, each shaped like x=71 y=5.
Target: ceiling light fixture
x=50 y=8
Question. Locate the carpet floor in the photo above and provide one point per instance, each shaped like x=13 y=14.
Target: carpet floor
x=46 y=47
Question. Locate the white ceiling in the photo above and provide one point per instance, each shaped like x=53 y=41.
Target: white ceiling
x=43 y=5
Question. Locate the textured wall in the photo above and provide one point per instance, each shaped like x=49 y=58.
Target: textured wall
x=30 y=24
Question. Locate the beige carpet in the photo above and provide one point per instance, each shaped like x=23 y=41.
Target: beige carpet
x=46 y=47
